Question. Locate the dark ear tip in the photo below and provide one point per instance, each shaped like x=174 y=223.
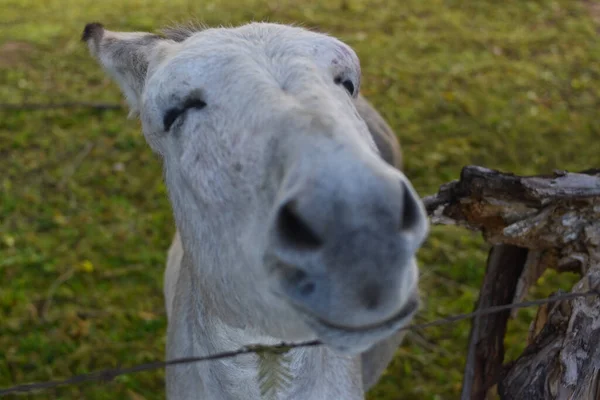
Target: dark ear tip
x=93 y=30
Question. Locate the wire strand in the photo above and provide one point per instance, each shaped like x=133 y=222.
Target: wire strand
x=110 y=374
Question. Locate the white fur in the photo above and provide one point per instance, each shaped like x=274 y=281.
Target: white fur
x=277 y=129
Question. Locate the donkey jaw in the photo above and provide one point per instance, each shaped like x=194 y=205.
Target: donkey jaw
x=356 y=340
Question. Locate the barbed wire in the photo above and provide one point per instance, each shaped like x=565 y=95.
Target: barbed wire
x=111 y=373
x=57 y=106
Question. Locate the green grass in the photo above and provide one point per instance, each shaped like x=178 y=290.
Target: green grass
x=84 y=218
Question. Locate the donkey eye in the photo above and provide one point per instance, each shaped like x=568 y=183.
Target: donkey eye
x=173 y=113
x=347 y=84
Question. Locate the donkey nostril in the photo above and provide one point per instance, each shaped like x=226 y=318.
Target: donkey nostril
x=298 y=279
x=411 y=214
x=293 y=230
x=307 y=288
x=370 y=296
x=293 y=275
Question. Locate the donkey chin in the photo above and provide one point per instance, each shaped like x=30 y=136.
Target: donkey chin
x=358 y=340
x=351 y=330
x=355 y=340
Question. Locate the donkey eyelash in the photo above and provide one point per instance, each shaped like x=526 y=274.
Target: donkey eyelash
x=174 y=113
x=347 y=84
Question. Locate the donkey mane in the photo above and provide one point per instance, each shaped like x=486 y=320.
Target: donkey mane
x=181 y=31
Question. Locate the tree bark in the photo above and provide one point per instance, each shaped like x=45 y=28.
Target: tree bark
x=535 y=223
x=504 y=266
x=563 y=362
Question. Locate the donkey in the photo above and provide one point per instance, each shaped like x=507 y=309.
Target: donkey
x=294 y=220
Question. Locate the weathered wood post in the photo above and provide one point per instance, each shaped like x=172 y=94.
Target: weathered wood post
x=533 y=223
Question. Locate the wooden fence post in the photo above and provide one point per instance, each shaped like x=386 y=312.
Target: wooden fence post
x=533 y=223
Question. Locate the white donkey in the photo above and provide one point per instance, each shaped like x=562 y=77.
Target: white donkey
x=291 y=226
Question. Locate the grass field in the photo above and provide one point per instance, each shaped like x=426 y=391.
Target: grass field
x=84 y=217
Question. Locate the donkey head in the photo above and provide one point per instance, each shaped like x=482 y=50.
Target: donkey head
x=293 y=223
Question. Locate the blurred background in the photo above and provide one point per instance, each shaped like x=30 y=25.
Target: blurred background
x=84 y=217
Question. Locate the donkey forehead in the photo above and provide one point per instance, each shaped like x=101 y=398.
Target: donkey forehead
x=287 y=70
x=254 y=51
x=272 y=42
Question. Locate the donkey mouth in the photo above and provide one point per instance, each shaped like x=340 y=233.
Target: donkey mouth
x=354 y=340
x=409 y=309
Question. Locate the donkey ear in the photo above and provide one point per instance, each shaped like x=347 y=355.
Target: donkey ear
x=126 y=56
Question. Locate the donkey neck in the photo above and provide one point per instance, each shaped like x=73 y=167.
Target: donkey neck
x=317 y=372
